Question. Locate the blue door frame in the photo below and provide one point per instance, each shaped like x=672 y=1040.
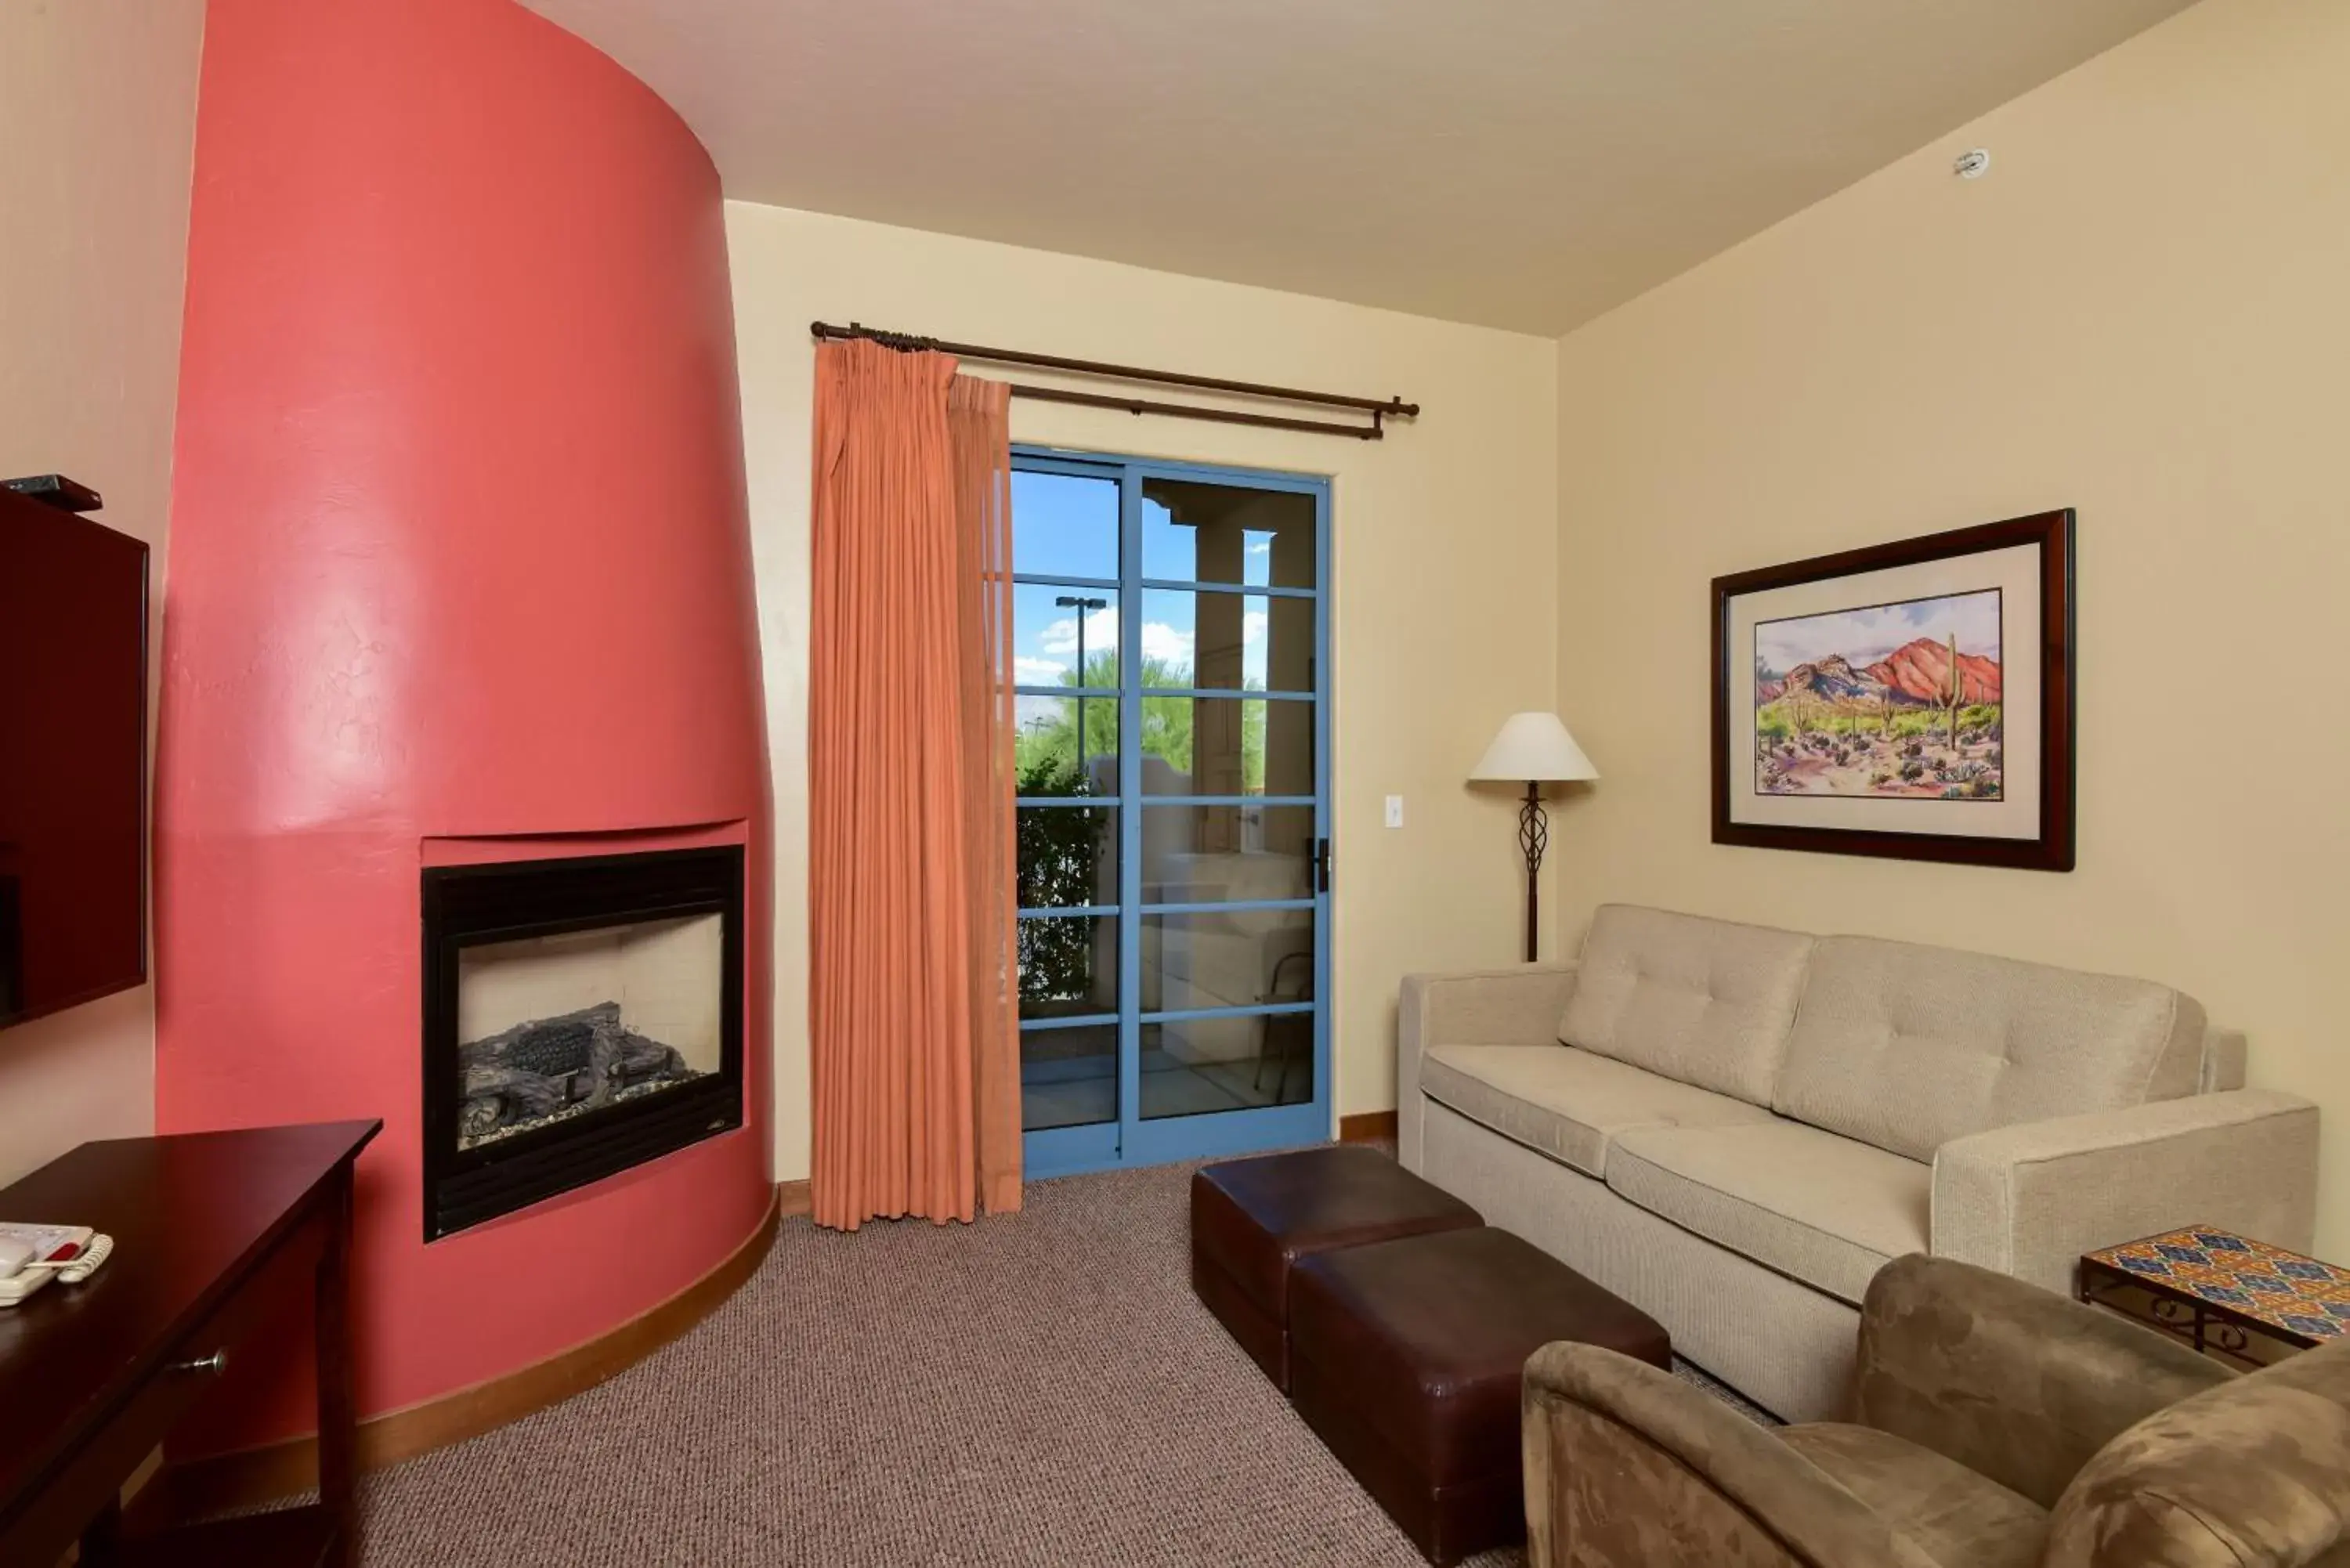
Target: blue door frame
x=1131 y=1139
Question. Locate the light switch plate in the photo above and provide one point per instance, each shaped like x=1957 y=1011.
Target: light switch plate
x=1395 y=811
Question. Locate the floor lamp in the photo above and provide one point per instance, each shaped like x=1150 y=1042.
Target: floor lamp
x=1532 y=749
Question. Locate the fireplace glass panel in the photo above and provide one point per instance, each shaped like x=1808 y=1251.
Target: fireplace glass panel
x=553 y=1027
x=582 y=1014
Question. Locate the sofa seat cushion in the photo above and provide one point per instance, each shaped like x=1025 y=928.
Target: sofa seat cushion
x=1827 y=1211
x=1909 y=1047
x=1703 y=1002
x=1568 y=1104
x=1954 y=1514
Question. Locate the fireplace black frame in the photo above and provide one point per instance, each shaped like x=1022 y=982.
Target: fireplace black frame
x=464 y=906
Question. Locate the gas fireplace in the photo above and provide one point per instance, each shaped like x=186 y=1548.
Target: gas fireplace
x=581 y=1016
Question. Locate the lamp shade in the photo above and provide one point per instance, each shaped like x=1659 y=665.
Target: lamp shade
x=1534 y=748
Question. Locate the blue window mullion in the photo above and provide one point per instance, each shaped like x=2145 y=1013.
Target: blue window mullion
x=1231 y=694
x=1325 y=1093
x=1043 y=580
x=1130 y=821
x=1074 y=1021
x=1258 y=1010
x=1144 y=468
x=1179 y=585
x=1076 y=464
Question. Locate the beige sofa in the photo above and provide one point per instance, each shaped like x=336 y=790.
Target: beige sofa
x=1735 y=1126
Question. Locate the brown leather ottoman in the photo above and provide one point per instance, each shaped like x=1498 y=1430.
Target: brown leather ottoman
x=1252 y=1220
x=1405 y=1358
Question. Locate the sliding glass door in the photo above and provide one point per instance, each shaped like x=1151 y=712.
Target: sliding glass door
x=1169 y=625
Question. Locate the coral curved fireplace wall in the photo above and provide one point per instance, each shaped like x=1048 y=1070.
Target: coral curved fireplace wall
x=460 y=554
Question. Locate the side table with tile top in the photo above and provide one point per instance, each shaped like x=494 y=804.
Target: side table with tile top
x=2228 y=1296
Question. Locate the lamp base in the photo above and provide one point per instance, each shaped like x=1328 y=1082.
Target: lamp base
x=1533 y=842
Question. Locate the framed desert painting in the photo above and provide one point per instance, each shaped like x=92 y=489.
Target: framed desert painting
x=1911 y=700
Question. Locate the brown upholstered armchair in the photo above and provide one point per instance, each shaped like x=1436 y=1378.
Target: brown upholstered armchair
x=1999 y=1425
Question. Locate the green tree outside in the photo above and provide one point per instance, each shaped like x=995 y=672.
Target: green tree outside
x=1060 y=847
x=1046 y=746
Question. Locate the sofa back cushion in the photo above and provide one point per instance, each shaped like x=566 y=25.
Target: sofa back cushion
x=1701 y=1001
x=1907 y=1046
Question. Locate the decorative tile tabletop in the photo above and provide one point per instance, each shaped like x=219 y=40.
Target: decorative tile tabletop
x=2251 y=1279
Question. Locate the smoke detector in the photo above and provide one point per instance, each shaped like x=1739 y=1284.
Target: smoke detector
x=1974 y=165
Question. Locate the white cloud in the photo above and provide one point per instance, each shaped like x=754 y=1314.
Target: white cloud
x=1162 y=642
x=1253 y=625
x=1159 y=640
x=1061 y=636
x=1865 y=636
x=1038 y=671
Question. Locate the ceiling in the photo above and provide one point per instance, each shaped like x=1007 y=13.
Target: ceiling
x=1521 y=163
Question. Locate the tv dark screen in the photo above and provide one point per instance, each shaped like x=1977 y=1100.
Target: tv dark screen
x=73 y=751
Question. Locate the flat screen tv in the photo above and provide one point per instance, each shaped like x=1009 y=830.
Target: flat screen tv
x=73 y=755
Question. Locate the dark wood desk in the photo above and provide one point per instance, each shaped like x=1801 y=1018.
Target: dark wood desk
x=218 y=1237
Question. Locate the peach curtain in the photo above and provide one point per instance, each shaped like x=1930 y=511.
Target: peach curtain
x=914 y=1036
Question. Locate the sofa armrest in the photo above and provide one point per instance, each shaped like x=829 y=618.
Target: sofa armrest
x=2029 y=1199
x=1521 y=1005
x=1628 y=1464
x=2255 y=1474
x=2013 y=1382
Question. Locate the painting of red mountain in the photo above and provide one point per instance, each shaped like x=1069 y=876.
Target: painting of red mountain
x=1899 y=700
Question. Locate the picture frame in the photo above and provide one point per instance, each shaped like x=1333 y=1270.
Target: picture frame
x=1913 y=699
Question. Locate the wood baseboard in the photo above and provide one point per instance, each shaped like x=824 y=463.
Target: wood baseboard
x=793 y=1198
x=200 y=1487
x=1367 y=1126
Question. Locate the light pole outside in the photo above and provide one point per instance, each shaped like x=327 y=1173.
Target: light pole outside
x=1084 y=606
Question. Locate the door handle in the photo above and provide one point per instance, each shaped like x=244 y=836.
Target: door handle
x=1321 y=865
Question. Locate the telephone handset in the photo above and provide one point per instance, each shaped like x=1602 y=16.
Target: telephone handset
x=32 y=1255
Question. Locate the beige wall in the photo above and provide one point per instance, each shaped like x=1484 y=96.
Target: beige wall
x=1444 y=558
x=96 y=129
x=2143 y=312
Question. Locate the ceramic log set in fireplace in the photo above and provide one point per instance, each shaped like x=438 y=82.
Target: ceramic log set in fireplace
x=581 y=1015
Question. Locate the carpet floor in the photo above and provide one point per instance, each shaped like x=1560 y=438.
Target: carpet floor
x=1040 y=1388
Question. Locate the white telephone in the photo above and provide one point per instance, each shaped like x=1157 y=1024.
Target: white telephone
x=32 y=1255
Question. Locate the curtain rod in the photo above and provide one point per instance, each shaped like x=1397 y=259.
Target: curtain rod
x=1379 y=411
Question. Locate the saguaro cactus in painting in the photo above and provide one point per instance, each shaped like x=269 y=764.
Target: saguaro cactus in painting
x=1954 y=695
